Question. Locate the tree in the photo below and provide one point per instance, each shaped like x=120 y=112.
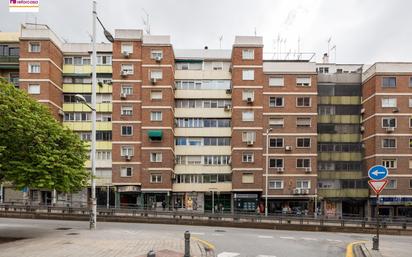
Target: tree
x=36 y=151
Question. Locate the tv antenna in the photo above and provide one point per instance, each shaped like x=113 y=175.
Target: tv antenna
x=220 y=41
x=146 y=22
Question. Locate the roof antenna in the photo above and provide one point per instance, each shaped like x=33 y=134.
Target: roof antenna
x=146 y=22
x=334 y=50
x=255 y=32
x=220 y=41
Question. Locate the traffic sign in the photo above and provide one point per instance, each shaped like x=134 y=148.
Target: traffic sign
x=378 y=185
x=378 y=172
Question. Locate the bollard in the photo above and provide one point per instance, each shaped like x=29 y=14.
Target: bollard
x=151 y=253
x=375 y=243
x=187 y=244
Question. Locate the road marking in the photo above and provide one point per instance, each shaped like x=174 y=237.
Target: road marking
x=288 y=237
x=227 y=254
x=309 y=238
x=265 y=255
x=267 y=237
x=197 y=233
x=333 y=240
x=206 y=245
x=349 y=248
x=214 y=234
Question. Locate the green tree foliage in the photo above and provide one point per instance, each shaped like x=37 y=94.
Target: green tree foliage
x=36 y=151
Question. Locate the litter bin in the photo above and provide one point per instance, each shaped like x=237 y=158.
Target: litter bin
x=375 y=243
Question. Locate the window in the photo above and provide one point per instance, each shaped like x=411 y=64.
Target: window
x=276 y=81
x=276 y=142
x=388 y=102
x=276 y=122
x=156 y=95
x=248 y=74
x=248 y=178
x=389 y=143
x=304 y=184
x=276 y=101
x=410 y=183
x=248 y=94
x=302 y=163
x=34 y=67
x=77 y=60
x=127 y=48
x=275 y=163
x=127 y=110
x=392 y=184
x=389 y=163
x=248 y=116
x=156 y=74
x=127 y=130
x=410 y=102
x=127 y=69
x=126 y=171
x=410 y=142
x=156 y=54
x=155 y=178
x=276 y=184
x=189 y=66
x=248 y=136
x=388 y=122
x=303 y=122
x=156 y=116
x=127 y=151
x=303 y=142
x=410 y=122
x=303 y=101
x=248 y=54
x=34 y=47
x=34 y=89
x=104 y=60
x=127 y=89
x=247 y=157
x=303 y=82
x=410 y=164
x=217 y=65
x=389 y=82
x=156 y=157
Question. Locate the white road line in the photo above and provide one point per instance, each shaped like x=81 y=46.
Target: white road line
x=197 y=233
x=215 y=234
x=227 y=254
x=267 y=237
x=333 y=240
x=288 y=237
x=309 y=238
x=261 y=255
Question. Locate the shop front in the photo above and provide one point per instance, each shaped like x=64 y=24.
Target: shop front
x=191 y=201
x=291 y=206
x=156 y=200
x=246 y=202
x=129 y=197
x=392 y=206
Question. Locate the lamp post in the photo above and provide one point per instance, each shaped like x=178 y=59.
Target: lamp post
x=267 y=170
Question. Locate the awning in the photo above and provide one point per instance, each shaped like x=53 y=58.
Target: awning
x=155 y=134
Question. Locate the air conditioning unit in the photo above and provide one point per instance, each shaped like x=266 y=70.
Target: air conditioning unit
x=61 y=112
x=126 y=54
x=153 y=80
x=100 y=84
x=288 y=148
x=158 y=58
x=228 y=91
x=123 y=96
x=250 y=142
x=362 y=111
x=362 y=128
x=249 y=99
x=124 y=73
x=304 y=191
x=228 y=108
x=390 y=129
x=308 y=169
x=279 y=169
x=128 y=157
x=297 y=191
x=396 y=109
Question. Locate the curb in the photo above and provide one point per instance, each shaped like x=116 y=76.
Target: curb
x=353 y=249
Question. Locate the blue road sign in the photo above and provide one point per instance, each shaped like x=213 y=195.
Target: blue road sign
x=378 y=172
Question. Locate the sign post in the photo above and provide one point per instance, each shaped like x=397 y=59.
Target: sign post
x=377 y=182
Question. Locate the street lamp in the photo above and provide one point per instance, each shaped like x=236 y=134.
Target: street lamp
x=267 y=170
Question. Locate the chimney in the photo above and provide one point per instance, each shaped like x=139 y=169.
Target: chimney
x=206 y=47
x=325 y=58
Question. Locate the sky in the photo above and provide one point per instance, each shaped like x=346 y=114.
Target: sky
x=363 y=31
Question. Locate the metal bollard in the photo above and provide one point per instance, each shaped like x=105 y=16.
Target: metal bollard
x=375 y=243
x=187 y=244
x=151 y=253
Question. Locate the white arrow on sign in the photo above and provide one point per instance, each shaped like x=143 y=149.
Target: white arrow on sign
x=376 y=172
x=378 y=185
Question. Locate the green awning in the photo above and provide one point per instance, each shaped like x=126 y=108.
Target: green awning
x=9 y=66
x=155 y=134
x=189 y=60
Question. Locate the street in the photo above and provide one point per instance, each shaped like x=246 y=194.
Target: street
x=72 y=238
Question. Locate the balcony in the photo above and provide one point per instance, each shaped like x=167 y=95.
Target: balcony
x=332 y=175
x=340 y=100
x=203 y=132
x=86 y=69
x=203 y=150
x=345 y=119
x=343 y=193
x=340 y=156
x=202 y=94
x=350 y=138
x=202 y=169
x=202 y=74
x=79 y=107
x=9 y=62
x=86 y=88
x=204 y=187
x=202 y=113
x=87 y=125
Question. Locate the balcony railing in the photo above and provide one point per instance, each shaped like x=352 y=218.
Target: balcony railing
x=9 y=59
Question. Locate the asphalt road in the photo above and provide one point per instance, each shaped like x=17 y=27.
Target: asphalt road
x=228 y=242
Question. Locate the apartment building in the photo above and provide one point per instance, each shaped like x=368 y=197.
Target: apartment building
x=387 y=123
x=342 y=187
x=221 y=130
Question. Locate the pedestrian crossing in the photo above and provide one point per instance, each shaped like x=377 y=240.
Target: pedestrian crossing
x=230 y=254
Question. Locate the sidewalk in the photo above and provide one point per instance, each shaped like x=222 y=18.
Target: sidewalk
x=387 y=250
x=82 y=242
